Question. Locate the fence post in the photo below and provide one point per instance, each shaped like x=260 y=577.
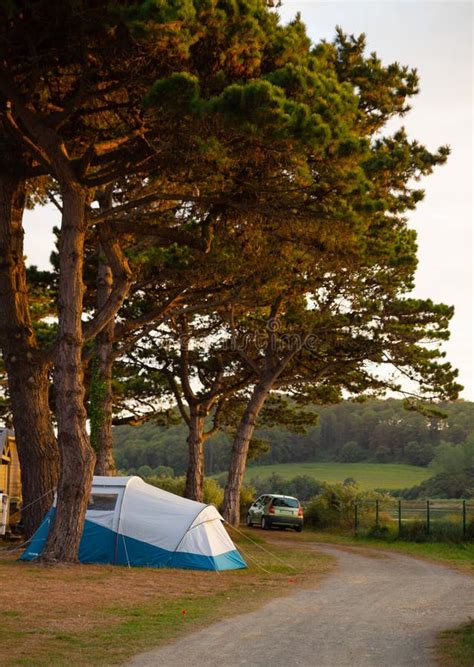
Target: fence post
x=428 y=527
x=399 y=518
x=464 y=518
x=356 y=518
x=376 y=513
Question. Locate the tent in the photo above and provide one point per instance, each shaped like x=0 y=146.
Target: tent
x=129 y=522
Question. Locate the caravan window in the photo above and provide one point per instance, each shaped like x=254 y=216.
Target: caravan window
x=105 y=502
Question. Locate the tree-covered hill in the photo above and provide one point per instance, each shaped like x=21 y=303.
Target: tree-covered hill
x=379 y=431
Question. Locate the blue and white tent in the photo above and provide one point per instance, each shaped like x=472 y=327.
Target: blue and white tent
x=129 y=522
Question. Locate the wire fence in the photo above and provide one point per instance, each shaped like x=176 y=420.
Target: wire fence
x=409 y=518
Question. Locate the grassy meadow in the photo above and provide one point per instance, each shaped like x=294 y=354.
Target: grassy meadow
x=367 y=475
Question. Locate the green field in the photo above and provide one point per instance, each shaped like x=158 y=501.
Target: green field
x=367 y=475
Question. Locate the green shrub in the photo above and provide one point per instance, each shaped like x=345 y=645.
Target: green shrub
x=440 y=531
x=144 y=471
x=213 y=494
x=274 y=483
x=419 y=454
x=172 y=484
x=163 y=471
x=470 y=530
x=247 y=495
x=349 y=481
x=443 y=485
x=303 y=487
x=383 y=454
x=334 y=506
x=414 y=531
x=351 y=453
x=379 y=532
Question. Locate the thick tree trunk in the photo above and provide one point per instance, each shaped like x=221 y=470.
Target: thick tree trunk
x=28 y=380
x=240 y=448
x=77 y=455
x=195 y=470
x=101 y=393
x=36 y=442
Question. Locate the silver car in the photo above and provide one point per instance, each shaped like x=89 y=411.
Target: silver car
x=272 y=509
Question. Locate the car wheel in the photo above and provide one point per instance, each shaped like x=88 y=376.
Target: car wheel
x=249 y=521
x=298 y=529
x=264 y=524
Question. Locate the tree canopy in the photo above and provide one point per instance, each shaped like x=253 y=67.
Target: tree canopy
x=202 y=149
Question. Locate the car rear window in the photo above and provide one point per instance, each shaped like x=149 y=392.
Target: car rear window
x=285 y=502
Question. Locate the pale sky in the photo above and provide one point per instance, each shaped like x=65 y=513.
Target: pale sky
x=436 y=38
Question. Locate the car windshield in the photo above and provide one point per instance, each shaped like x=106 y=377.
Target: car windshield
x=285 y=502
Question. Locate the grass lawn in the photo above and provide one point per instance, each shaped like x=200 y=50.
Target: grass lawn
x=367 y=475
x=102 y=615
x=455 y=648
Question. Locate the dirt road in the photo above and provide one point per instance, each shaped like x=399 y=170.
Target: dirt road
x=375 y=610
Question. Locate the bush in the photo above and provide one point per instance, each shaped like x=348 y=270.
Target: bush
x=144 y=472
x=172 y=484
x=334 y=506
x=383 y=454
x=417 y=531
x=163 y=471
x=351 y=453
x=273 y=484
x=247 y=495
x=419 y=454
x=470 y=530
x=303 y=487
x=379 y=532
x=443 y=485
x=440 y=531
x=213 y=494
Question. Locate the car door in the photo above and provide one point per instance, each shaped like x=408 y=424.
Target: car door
x=261 y=508
x=256 y=510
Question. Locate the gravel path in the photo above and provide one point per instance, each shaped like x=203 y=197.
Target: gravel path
x=377 y=610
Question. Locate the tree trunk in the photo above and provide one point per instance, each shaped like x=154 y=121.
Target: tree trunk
x=77 y=455
x=28 y=380
x=37 y=449
x=240 y=448
x=195 y=471
x=101 y=393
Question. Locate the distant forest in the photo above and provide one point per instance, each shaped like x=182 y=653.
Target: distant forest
x=377 y=431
